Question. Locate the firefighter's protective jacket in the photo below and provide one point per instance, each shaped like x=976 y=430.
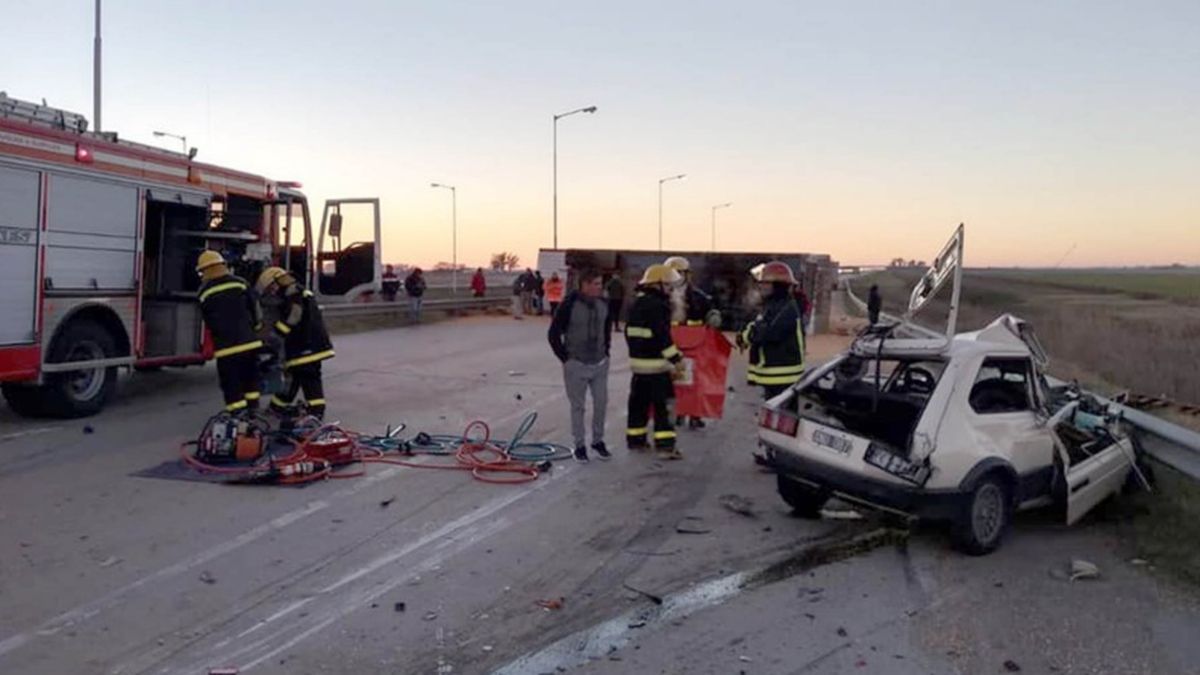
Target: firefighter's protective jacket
x=776 y=340
x=699 y=304
x=231 y=315
x=305 y=338
x=648 y=334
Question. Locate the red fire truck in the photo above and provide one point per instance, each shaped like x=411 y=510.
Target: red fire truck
x=98 y=240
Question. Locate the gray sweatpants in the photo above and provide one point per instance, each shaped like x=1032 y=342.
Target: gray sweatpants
x=579 y=377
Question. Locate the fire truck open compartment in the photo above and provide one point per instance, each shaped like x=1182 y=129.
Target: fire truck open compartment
x=170 y=316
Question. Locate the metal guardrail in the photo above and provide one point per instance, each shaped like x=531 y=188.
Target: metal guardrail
x=1176 y=446
x=358 y=309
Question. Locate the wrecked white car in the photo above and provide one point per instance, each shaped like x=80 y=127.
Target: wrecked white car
x=964 y=430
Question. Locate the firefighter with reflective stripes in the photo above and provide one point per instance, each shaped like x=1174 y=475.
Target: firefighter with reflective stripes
x=654 y=360
x=697 y=311
x=231 y=315
x=776 y=336
x=306 y=342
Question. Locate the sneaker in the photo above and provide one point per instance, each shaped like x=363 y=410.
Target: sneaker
x=581 y=453
x=670 y=453
x=695 y=423
x=601 y=450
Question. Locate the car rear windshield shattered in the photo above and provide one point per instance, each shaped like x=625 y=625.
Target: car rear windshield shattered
x=878 y=399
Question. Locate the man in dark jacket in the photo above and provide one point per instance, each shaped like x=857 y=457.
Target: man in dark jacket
x=615 y=291
x=414 y=286
x=580 y=337
x=232 y=319
x=874 y=304
x=306 y=341
x=539 y=292
x=776 y=336
x=391 y=284
x=655 y=362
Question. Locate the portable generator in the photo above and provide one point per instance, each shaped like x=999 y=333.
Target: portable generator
x=229 y=439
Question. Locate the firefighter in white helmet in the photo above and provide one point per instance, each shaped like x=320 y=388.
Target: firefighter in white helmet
x=655 y=361
x=231 y=315
x=697 y=311
x=776 y=336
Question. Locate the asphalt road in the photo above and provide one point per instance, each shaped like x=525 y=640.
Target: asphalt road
x=102 y=572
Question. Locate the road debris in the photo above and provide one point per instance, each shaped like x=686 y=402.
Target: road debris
x=1011 y=666
x=683 y=528
x=87 y=429
x=745 y=659
x=842 y=632
x=430 y=616
x=639 y=623
x=488 y=648
x=1082 y=569
x=1138 y=562
x=740 y=505
x=516 y=373
x=110 y=561
x=207 y=577
x=399 y=607
x=656 y=599
x=551 y=604
x=387 y=502
x=841 y=514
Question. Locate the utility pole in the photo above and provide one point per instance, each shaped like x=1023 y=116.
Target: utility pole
x=590 y=110
x=96 y=72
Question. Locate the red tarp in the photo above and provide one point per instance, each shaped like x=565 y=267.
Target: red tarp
x=701 y=391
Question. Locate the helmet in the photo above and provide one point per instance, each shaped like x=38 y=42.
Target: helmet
x=660 y=274
x=270 y=276
x=678 y=263
x=776 y=272
x=208 y=259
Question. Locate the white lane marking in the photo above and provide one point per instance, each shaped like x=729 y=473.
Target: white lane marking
x=36 y=431
x=88 y=610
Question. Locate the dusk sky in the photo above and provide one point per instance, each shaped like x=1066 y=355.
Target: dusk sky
x=866 y=130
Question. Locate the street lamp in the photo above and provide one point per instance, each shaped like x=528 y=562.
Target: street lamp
x=181 y=139
x=714 y=222
x=660 y=184
x=453 y=234
x=589 y=109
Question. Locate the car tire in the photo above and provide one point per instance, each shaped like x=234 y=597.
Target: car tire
x=80 y=393
x=985 y=517
x=25 y=400
x=805 y=501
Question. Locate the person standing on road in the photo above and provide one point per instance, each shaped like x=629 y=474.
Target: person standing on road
x=414 y=286
x=554 y=292
x=874 y=304
x=391 y=284
x=232 y=317
x=615 y=291
x=697 y=306
x=539 y=292
x=478 y=284
x=306 y=341
x=655 y=362
x=775 y=337
x=518 y=301
x=580 y=337
x=528 y=286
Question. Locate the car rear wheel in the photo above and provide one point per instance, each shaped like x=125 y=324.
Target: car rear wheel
x=985 y=517
x=805 y=501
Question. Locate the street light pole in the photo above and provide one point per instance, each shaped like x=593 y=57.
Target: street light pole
x=181 y=139
x=660 y=208
x=453 y=234
x=590 y=109
x=714 y=222
x=96 y=71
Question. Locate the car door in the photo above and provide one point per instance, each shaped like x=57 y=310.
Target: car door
x=1095 y=478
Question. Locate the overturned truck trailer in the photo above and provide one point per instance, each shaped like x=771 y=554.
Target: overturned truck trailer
x=724 y=276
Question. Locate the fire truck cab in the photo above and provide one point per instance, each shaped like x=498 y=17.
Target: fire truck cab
x=98 y=241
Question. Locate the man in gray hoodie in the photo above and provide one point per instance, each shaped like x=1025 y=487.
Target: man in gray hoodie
x=580 y=335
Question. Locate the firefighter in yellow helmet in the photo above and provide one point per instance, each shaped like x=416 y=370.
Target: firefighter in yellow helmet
x=697 y=311
x=231 y=315
x=654 y=360
x=306 y=341
x=776 y=336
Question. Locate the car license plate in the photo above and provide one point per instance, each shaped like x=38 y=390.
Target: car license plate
x=896 y=465
x=838 y=444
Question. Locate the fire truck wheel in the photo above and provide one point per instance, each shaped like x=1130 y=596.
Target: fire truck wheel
x=82 y=392
x=25 y=400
